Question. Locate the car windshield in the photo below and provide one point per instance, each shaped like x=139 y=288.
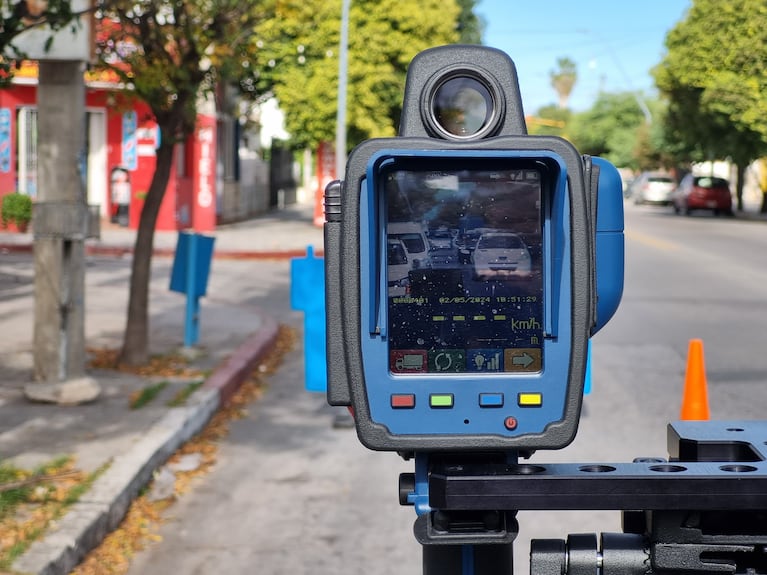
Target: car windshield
x=506 y=242
x=709 y=182
x=413 y=242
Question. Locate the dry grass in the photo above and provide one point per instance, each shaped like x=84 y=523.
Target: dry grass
x=30 y=501
x=168 y=365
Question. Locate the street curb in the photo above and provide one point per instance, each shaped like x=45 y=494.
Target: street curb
x=122 y=251
x=103 y=507
x=238 y=366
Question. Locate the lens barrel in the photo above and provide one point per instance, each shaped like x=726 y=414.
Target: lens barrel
x=463 y=106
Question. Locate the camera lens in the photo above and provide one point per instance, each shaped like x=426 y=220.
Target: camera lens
x=463 y=107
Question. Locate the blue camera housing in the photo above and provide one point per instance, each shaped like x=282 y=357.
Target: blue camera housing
x=609 y=241
x=469 y=404
x=582 y=259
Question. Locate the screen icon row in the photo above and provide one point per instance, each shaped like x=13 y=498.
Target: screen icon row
x=504 y=360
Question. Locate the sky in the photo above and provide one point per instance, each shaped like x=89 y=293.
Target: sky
x=614 y=43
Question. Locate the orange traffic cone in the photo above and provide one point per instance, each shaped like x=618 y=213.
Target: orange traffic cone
x=695 y=400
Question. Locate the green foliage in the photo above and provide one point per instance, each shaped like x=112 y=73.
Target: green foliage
x=655 y=143
x=169 y=52
x=147 y=395
x=184 y=393
x=16 y=208
x=609 y=129
x=714 y=75
x=298 y=55
x=11 y=498
x=470 y=26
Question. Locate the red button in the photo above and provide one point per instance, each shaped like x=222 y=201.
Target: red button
x=403 y=401
x=510 y=423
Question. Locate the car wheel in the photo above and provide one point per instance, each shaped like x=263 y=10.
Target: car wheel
x=676 y=209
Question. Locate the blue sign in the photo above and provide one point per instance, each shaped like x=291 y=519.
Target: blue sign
x=129 y=141
x=5 y=140
x=191 y=268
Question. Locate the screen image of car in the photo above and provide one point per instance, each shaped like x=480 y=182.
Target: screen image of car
x=501 y=254
x=413 y=238
x=398 y=265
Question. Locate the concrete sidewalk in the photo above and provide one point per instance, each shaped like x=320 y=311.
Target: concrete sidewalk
x=234 y=337
x=280 y=233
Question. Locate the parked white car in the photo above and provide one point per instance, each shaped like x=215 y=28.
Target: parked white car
x=501 y=254
x=398 y=268
x=414 y=239
x=653 y=188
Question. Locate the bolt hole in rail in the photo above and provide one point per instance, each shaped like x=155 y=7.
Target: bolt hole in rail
x=467 y=265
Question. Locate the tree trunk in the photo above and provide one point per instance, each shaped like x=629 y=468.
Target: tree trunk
x=761 y=174
x=135 y=349
x=740 y=169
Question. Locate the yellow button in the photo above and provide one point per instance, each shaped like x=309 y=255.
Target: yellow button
x=530 y=399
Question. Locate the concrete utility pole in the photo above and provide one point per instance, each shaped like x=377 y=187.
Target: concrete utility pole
x=60 y=225
x=343 y=73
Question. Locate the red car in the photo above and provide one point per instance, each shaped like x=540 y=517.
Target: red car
x=702 y=193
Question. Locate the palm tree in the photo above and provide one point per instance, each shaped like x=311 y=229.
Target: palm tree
x=563 y=79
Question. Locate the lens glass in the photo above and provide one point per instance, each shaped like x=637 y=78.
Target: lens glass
x=462 y=106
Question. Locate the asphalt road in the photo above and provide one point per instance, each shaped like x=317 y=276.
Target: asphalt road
x=291 y=495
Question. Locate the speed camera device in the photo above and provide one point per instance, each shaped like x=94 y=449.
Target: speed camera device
x=467 y=265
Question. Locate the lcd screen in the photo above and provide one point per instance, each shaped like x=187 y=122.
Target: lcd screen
x=463 y=264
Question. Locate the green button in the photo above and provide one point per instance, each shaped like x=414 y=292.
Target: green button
x=441 y=400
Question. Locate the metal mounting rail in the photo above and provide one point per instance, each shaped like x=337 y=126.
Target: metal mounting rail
x=627 y=486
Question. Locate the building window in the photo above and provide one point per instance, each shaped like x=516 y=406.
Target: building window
x=26 y=146
x=182 y=170
x=226 y=148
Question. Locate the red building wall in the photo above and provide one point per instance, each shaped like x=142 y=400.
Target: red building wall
x=12 y=99
x=204 y=174
x=190 y=198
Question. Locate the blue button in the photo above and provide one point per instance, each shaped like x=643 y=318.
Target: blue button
x=491 y=400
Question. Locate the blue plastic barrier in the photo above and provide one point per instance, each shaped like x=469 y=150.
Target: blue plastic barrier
x=307 y=294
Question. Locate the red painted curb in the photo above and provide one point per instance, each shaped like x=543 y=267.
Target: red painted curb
x=228 y=377
x=15 y=248
x=276 y=255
